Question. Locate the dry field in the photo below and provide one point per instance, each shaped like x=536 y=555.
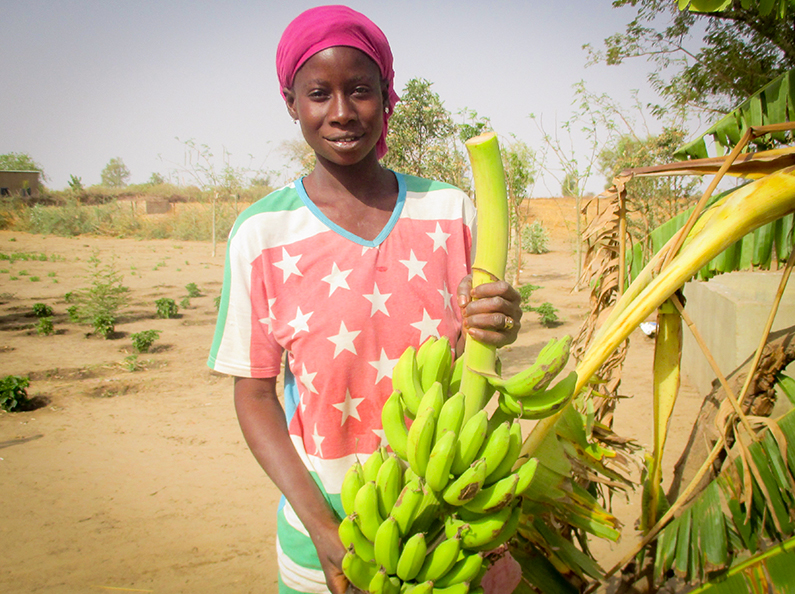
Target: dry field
x=140 y=481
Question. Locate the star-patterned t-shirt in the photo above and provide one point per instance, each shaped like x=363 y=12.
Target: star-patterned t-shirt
x=343 y=309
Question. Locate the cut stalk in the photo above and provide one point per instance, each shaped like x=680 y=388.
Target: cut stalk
x=491 y=255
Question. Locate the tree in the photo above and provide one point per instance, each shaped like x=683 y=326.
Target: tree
x=422 y=137
x=156 y=179
x=76 y=184
x=521 y=166
x=740 y=49
x=115 y=174
x=300 y=154
x=19 y=162
x=651 y=200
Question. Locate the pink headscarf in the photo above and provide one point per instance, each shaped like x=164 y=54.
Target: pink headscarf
x=327 y=26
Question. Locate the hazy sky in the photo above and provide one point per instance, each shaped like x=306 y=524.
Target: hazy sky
x=87 y=80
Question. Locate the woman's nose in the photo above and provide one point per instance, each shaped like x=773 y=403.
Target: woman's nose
x=342 y=110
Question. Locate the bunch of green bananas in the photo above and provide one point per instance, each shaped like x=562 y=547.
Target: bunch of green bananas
x=419 y=518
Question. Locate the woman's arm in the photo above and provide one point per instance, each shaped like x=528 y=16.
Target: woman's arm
x=264 y=427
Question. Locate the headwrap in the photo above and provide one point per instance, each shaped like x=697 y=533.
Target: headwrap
x=327 y=26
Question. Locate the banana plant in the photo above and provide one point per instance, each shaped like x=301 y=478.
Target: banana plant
x=748 y=226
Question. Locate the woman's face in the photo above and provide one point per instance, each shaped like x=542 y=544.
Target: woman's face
x=339 y=99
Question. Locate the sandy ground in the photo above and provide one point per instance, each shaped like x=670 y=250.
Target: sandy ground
x=140 y=481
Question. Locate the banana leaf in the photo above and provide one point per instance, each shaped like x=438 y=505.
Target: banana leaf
x=772 y=104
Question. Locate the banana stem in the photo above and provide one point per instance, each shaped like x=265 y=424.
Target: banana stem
x=491 y=255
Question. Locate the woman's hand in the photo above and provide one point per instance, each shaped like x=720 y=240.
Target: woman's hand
x=330 y=551
x=492 y=311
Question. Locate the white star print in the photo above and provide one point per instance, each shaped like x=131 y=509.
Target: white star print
x=308 y=379
x=427 y=326
x=344 y=340
x=288 y=265
x=446 y=296
x=384 y=366
x=269 y=320
x=415 y=266
x=381 y=434
x=299 y=323
x=336 y=279
x=318 y=439
x=348 y=408
x=378 y=301
x=439 y=238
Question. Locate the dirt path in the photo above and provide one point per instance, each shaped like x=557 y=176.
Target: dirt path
x=140 y=481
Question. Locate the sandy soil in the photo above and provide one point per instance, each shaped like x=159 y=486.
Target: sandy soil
x=140 y=481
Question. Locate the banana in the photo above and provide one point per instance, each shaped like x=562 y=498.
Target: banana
x=387 y=545
x=406 y=379
x=407 y=506
x=471 y=438
x=373 y=463
x=507 y=532
x=423 y=588
x=409 y=474
x=456 y=374
x=352 y=537
x=422 y=351
x=467 y=485
x=494 y=498
x=411 y=557
x=478 y=532
x=459 y=588
x=429 y=510
x=451 y=417
x=437 y=473
x=366 y=510
x=383 y=583
x=359 y=572
x=526 y=472
x=546 y=403
x=433 y=398
x=510 y=405
x=389 y=483
x=440 y=560
x=464 y=571
x=495 y=447
x=504 y=468
x=351 y=483
x=437 y=364
x=549 y=363
x=393 y=421
x=420 y=440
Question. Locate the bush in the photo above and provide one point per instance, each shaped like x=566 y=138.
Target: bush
x=14 y=393
x=184 y=302
x=547 y=314
x=74 y=314
x=166 y=308
x=217 y=302
x=45 y=327
x=535 y=239
x=42 y=310
x=525 y=291
x=193 y=290
x=104 y=324
x=142 y=341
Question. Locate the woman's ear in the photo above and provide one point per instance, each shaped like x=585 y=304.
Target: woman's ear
x=289 y=99
x=385 y=94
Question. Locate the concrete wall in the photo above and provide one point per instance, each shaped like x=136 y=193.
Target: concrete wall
x=730 y=311
x=25 y=183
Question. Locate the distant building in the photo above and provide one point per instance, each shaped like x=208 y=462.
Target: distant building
x=21 y=183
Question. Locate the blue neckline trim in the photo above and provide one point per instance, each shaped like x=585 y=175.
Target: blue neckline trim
x=401 y=200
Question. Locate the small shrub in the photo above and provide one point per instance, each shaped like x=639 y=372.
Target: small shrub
x=74 y=314
x=14 y=393
x=131 y=363
x=104 y=324
x=535 y=239
x=193 y=290
x=68 y=296
x=185 y=303
x=42 y=310
x=142 y=341
x=45 y=327
x=547 y=314
x=34 y=279
x=166 y=308
x=525 y=291
x=217 y=302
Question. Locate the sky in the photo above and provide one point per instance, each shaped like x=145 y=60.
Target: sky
x=84 y=81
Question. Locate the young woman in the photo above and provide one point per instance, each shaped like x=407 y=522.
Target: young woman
x=336 y=275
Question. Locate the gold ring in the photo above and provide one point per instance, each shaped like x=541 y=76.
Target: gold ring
x=508 y=323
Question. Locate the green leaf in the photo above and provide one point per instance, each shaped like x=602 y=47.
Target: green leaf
x=787 y=385
x=540 y=573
